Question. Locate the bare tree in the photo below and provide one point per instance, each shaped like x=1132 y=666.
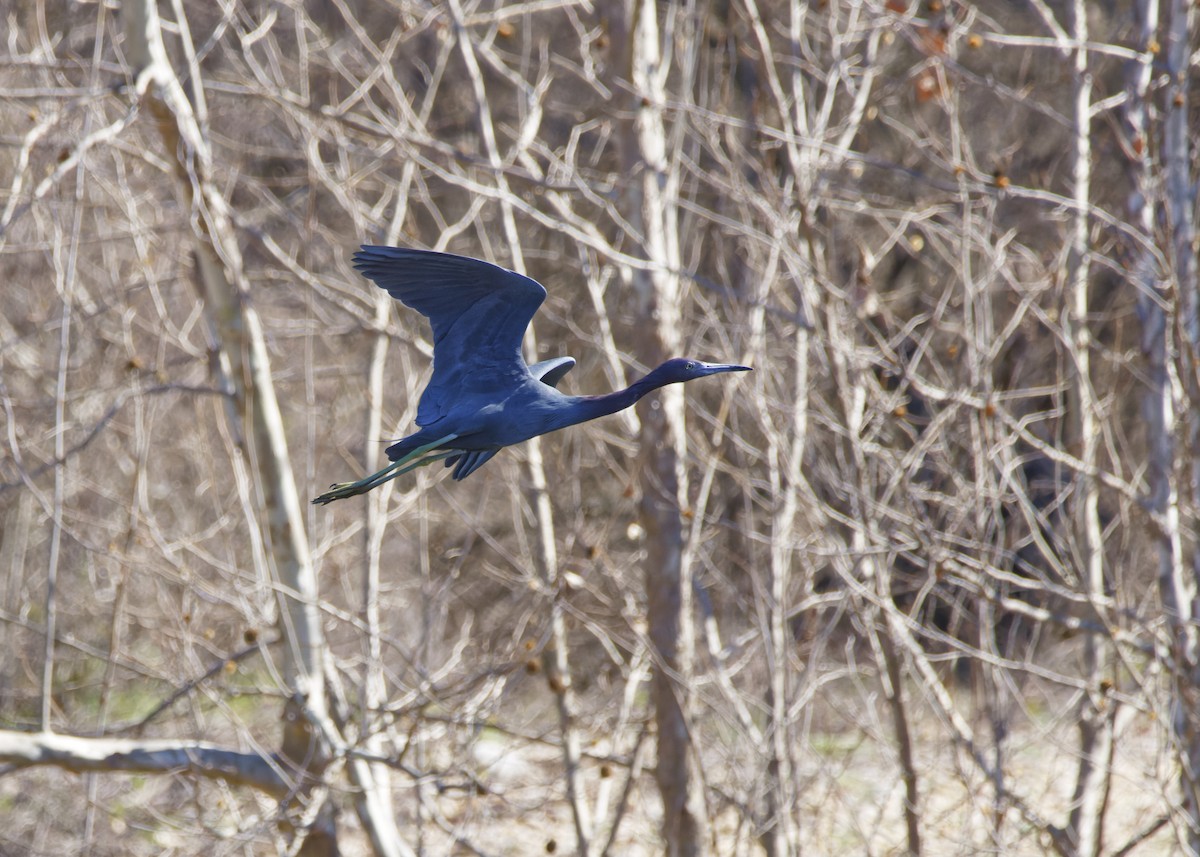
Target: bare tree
x=1095 y=722
x=919 y=583
x=651 y=210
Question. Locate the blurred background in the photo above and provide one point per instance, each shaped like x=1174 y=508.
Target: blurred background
x=924 y=582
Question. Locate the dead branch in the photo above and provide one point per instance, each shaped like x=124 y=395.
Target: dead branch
x=144 y=756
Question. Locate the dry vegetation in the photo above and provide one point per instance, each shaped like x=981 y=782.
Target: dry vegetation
x=924 y=582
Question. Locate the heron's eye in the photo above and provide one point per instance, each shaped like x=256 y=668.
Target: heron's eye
x=691 y=365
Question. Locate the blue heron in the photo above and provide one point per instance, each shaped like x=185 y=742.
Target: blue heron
x=482 y=396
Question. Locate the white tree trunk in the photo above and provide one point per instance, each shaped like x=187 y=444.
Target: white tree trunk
x=1086 y=817
x=649 y=205
x=1179 y=586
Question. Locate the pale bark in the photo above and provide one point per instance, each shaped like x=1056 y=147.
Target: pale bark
x=649 y=206
x=1178 y=586
x=373 y=798
x=1086 y=818
x=787 y=437
x=1156 y=311
x=51 y=602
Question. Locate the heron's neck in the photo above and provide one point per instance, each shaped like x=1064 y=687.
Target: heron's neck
x=591 y=407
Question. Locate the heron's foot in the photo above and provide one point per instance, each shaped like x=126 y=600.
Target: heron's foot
x=342 y=490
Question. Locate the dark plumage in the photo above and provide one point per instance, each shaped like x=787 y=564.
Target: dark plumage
x=482 y=396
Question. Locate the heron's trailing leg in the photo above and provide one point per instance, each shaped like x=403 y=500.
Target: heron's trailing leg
x=409 y=462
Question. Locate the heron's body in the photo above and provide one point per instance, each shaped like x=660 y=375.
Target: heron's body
x=482 y=396
x=487 y=420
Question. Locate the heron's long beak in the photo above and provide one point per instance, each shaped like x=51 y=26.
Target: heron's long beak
x=714 y=368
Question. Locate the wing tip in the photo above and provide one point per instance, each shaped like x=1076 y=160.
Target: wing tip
x=368 y=254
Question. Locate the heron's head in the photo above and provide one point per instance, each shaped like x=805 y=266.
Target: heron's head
x=682 y=369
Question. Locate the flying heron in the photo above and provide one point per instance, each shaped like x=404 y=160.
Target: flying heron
x=482 y=396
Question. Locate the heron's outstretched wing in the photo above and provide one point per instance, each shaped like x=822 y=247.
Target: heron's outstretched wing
x=478 y=313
